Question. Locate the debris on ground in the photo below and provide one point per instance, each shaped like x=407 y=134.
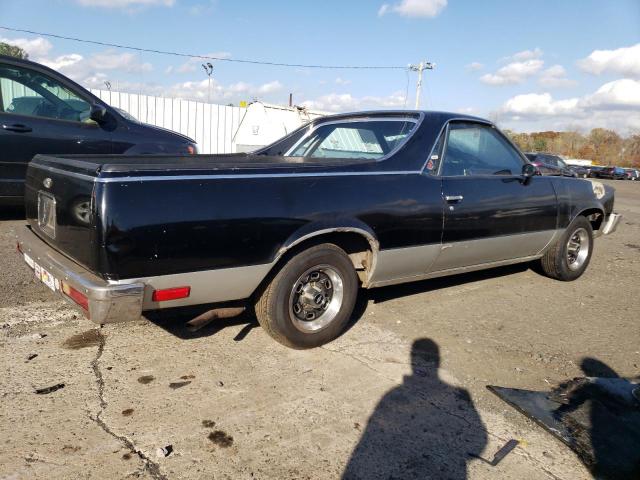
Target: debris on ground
x=162 y=452
x=597 y=417
x=31 y=356
x=51 y=389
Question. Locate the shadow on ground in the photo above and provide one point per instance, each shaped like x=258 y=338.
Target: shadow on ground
x=423 y=428
x=12 y=213
x=175 y=320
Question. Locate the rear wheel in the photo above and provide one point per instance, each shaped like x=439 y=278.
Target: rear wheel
x=310 y=299
x=569 y=257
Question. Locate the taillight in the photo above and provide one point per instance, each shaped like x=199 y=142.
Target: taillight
x=170 y=294
x=75 y=295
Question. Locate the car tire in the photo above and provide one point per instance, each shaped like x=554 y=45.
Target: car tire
x=570 y=255
x=309 y=301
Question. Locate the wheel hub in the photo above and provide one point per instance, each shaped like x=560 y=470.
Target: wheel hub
x=577 y=249
x=316 y=298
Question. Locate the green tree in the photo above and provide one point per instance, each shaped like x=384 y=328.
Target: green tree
x=12 y=51
x=540 y=145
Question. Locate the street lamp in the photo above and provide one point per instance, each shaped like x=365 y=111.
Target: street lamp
x=208 y=68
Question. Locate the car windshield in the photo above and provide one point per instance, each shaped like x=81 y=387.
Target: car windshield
x=366 y=139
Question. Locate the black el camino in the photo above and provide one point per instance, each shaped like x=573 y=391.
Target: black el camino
x=350 y=201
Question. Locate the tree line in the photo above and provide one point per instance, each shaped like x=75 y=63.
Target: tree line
x=601 y=146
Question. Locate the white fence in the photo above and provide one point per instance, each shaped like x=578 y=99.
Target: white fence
x=215 y=128
x=212 y=126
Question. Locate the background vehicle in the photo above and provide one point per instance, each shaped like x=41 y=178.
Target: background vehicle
x=293 y=230
x=42 y=111
x=632 y=174
x=548 y=164
x=594 y=170
x=613 y=173
x=580 y=171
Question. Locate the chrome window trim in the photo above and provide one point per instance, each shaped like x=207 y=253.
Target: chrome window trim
x=313 y=127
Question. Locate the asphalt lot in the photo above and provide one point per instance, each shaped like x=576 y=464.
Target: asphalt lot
x=400 y=395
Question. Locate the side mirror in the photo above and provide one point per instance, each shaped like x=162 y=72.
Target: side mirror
x=98 y=113
x=528 y=171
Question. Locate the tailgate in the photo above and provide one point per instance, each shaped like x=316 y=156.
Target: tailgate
x=60 y=206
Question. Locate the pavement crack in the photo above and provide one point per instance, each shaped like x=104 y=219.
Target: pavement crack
x=359 y=360
x=149 y=465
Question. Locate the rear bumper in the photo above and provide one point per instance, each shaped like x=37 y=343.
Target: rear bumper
x=610 y=224
x=107 y=303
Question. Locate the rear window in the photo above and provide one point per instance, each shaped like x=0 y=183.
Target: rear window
x=371 y=139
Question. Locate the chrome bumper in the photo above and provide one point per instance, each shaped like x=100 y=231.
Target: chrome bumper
x=107 y=303
x=610 y=224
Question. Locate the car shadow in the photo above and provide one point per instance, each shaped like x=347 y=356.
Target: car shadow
x=174 y=321
x=12 y=213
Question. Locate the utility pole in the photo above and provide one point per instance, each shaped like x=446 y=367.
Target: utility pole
x=208 y=68
x=424 y=65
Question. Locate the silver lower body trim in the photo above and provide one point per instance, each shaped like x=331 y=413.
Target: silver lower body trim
x=107 y=303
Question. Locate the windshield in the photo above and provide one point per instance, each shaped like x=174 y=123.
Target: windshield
x=368 y=139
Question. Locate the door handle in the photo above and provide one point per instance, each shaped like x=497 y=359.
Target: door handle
x=453 y=198
x=17 y=127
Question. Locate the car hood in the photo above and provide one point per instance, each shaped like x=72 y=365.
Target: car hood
x=166 y=132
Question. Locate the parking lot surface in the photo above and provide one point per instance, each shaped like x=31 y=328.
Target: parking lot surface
x=402 y=394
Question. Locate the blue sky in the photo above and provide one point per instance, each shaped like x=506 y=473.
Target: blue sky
x=530 y=65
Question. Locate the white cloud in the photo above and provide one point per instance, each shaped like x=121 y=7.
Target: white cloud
x=414 y=8
x=270 y=87
x=35 y=47
x=555 y=77
x=474 y=66
x=79 y=68
x=607 y=107
x=345 y=102
x=524 y=55
x=342 y=81
x=624 y=61
x=513 y=73
x=125 y=3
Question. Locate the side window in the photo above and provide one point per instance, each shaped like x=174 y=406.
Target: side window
x=27 y=92
x=433 y=162
x=367 y=139
x=475 y=149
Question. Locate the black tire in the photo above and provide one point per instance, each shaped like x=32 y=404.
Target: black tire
x=557 y=261
x=275 y=301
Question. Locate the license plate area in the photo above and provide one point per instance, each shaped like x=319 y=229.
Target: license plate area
x=47 y=214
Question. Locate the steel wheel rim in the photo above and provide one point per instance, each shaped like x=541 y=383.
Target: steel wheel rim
x=316 y=298
x=578 y=247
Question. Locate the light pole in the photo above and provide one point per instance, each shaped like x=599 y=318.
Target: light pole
x=424 y=65
x=208 y=68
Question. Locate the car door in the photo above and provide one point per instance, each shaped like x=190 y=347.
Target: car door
x=492 y=213
x=41 y=114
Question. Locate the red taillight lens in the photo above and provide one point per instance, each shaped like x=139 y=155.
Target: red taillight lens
x=170 y=294
x=75 y=295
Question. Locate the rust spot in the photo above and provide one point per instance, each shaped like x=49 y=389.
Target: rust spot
x=221 y=439
x=145 y=379
x=127 y=412
x=90 y=338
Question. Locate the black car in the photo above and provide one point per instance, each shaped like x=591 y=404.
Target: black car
x=548 y=164
x=580 y=171
x=632 y=174
x=295 y=229
x=42 y=111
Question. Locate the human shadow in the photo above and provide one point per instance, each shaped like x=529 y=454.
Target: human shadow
x=422 y=429
x=605 y=428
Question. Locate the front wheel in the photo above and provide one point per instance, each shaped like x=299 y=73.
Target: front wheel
x=569 y=257
x=310 y=299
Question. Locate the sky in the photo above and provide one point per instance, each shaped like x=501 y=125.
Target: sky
x=527 y=65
